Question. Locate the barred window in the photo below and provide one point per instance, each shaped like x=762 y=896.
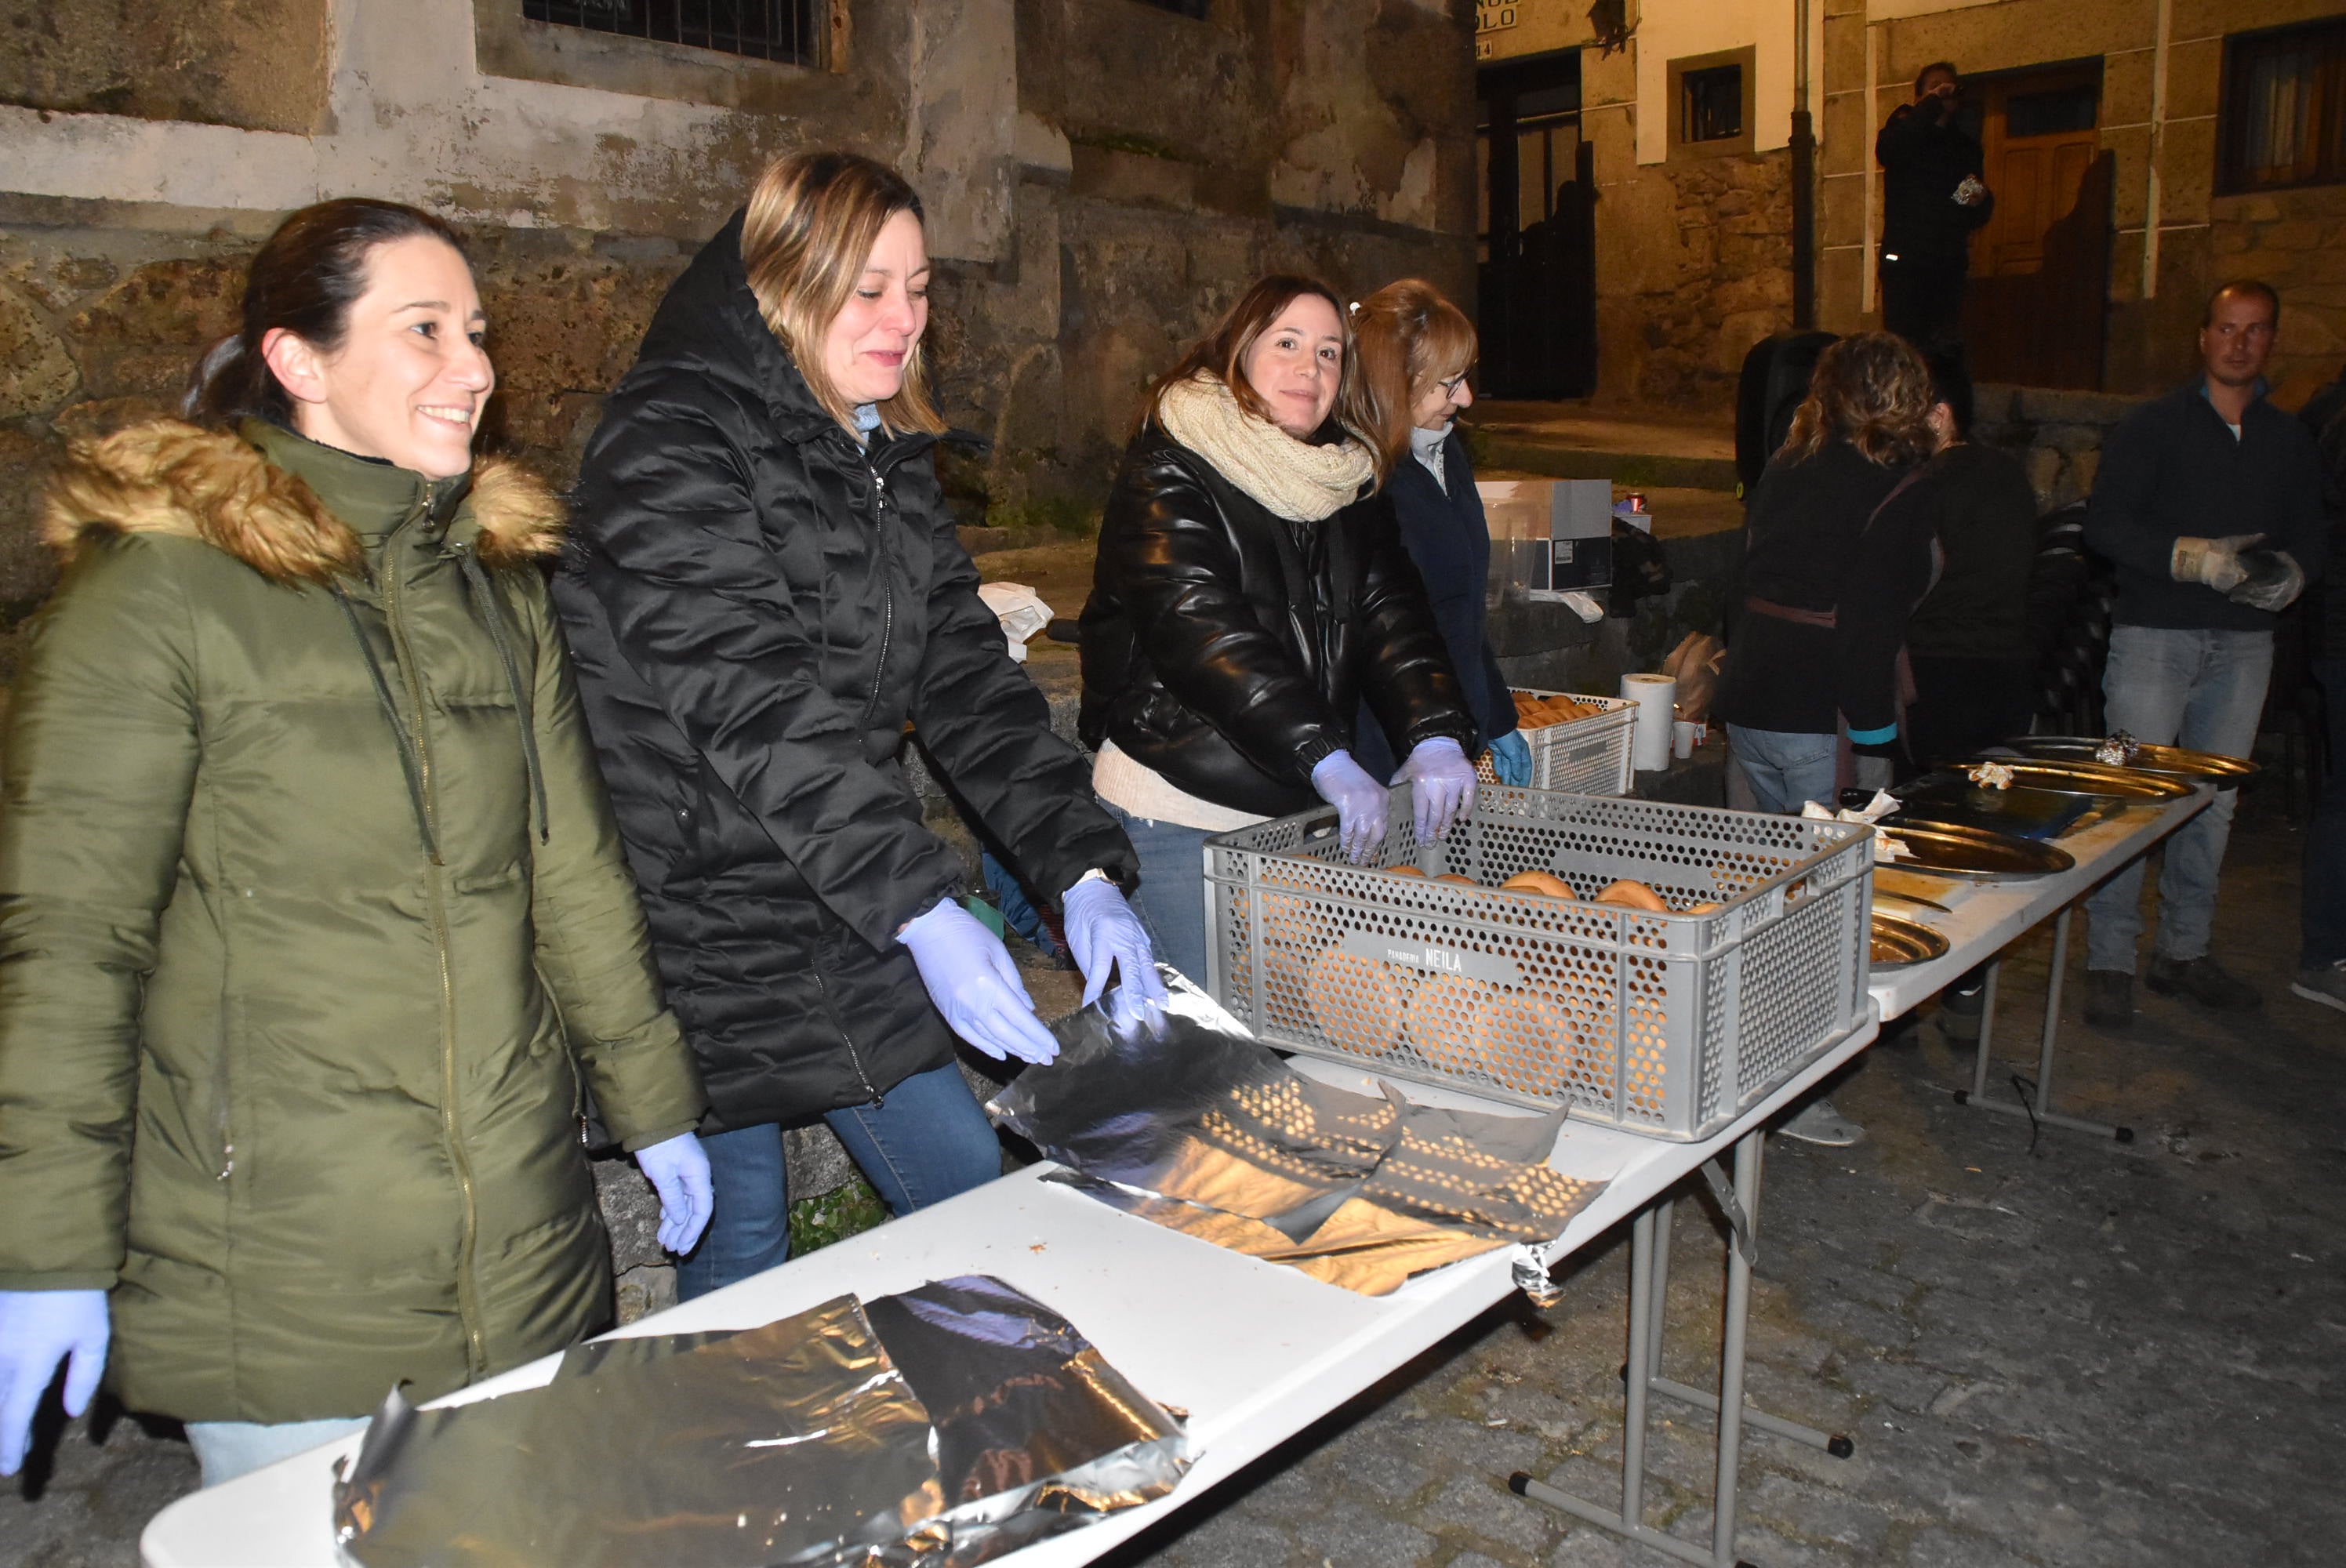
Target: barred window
x=2284 y=109
x=789 y=31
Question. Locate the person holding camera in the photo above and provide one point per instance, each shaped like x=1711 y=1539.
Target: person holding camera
x=1934 y=198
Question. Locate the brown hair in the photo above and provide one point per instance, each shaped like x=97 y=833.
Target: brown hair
x=2244 y=288
x=303 y=281
x=813 y=221
x=1222 y=353
x=1410 y=338
x=1872 y=391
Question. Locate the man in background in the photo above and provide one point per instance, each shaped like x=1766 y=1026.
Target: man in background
x=2209 y=502
x=1933 y=198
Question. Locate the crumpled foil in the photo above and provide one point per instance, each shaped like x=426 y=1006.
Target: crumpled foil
x=1036 y=1433
x=1198 y=1111
x=803 y=1442
x=1199 y=1128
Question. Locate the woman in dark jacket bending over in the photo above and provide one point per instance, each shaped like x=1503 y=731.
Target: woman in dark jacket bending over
x=1250 y=588
x=766 y=585
x=1415 y=350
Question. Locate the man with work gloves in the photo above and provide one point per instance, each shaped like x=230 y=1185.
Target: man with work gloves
x=2209 y=502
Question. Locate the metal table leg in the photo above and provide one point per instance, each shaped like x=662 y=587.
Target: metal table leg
x=1649 y=1245
x=2037 y=1105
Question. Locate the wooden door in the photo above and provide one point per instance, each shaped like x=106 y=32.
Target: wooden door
x=1536 y=288
x=2034 y=312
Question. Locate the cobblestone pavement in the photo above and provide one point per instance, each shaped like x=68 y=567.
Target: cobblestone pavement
x=2050 y=1352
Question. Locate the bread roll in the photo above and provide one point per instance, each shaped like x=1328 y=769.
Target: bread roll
x=1634 y=895
x=1526 y=1041
x=1404 y=869
x=1454 y=876
x=1543 y=882
x=1357 y=1001
x=1442 y=1019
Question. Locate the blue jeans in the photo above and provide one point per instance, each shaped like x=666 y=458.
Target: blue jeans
x=226 y=1449
x=1784 y=768
x=927 y=1141
x=1018 y=911
x=2205 y=690
x=2324 y=922
x=1172 y=895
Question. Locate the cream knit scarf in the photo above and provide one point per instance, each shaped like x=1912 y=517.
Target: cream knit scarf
x=1294 y=479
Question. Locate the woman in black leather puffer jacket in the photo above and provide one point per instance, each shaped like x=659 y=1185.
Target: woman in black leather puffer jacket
x=1251 y=588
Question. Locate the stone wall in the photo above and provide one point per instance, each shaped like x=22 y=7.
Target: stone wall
x=2295 y=241
x=1102 y=178
x=2056 y=435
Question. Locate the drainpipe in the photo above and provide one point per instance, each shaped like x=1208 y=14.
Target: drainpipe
x=1804 y=179
x=2158 y=144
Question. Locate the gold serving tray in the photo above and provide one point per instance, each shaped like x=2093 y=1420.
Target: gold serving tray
x=1898 y=943
x=1952 y=850
x=2065 y=777
x=2167 y=761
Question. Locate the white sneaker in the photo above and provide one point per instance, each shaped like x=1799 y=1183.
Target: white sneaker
x=1818 y=1122
x=2326 y=984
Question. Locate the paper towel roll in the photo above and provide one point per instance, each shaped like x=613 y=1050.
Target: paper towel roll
x=1655 y=697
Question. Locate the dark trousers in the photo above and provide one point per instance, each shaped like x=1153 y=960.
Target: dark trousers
x=1964 y=704
x=1922 y=297
x=2324 y=917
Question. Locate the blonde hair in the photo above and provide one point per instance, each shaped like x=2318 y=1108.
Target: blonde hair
x=1222 y=353
x=813 y=221
x=1408 y=338
x=1872 y=391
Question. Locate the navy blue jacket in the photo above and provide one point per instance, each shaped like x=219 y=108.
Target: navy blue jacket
x=1450 y=540
x=2172 y=469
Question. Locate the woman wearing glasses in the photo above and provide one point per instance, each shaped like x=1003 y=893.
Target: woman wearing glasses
x=1416 y=348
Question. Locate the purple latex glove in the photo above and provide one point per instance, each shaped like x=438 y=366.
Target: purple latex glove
x=1360 y=802
x=1443 y=785
x=1103 y=933
x=39 y=1329
x=975 y=983
x=677 y=1168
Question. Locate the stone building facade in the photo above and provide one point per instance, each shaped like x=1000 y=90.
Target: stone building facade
x=2173 y=231
x=1100 y=176
x=1693 y=241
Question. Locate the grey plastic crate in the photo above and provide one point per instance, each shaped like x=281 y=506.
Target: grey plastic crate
x=1581 y=756
x=1668 y=1024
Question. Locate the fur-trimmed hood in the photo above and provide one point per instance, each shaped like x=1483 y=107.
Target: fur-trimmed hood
x=166 y=477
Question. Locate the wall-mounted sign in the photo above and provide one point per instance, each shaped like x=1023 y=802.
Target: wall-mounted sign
x=1492 y=16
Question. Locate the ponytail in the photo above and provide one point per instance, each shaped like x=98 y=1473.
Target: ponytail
x=303 y=281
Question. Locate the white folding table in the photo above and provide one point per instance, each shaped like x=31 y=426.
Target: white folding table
x=1986 y=918
x=1254 y=1352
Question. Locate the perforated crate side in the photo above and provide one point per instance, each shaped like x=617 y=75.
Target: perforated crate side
x=1640 y=1021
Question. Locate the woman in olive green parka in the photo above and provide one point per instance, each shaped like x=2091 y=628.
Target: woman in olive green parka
x=314 y=921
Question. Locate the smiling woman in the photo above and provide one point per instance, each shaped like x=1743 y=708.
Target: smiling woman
x=1250 y=591
x=315 y=919
x=769 y=587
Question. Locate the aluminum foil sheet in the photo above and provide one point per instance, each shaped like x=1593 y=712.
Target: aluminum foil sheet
x=1198 y=1111
x=806 y=1442
x=1037 y=1432
x=1201 y=1129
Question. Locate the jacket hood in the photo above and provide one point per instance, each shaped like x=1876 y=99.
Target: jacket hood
x=166 y=477
x=709 y=326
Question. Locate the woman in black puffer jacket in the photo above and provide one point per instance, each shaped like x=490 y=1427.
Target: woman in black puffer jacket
x=1251 y=589
x=764 y=586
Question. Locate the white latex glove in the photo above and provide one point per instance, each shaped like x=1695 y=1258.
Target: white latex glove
x=2215 y=562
